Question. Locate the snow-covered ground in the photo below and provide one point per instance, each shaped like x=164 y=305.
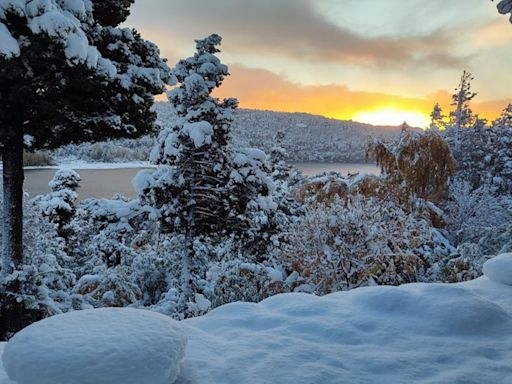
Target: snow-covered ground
x=77 y=164
x=101 y=346
x=416 y=333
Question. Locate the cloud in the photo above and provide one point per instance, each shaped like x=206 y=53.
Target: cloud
x=298 y=30
x=493 y=33
x=262 y=89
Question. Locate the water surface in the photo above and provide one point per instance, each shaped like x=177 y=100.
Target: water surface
x=105 y=183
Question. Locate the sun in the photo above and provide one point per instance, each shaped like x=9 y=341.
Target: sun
x=392 y=116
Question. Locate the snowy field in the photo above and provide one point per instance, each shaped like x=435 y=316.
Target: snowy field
x=416 y=333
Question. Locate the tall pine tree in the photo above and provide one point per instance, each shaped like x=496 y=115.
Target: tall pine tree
x=67 y=74
x=203 y=189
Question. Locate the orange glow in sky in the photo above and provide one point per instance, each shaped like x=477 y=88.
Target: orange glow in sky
x=392 y=116
x=379 y=62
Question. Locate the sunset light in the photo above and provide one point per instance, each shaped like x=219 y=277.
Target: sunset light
x=393 y=116
x=269 y=191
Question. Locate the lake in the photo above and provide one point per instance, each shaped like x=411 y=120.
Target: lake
x=104 y=183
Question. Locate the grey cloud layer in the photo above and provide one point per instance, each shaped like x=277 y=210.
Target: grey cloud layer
x=292 y=28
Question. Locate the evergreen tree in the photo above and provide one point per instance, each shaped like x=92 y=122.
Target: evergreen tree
x=278 y=157
x=462 y=116
x=59 y=206
x=203 y=190
x=505 y=119
x=65 y=76
x=436 y=117
x=189 y=189
x=505 y=7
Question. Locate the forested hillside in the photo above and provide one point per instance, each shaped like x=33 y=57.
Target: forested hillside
x=305 y=137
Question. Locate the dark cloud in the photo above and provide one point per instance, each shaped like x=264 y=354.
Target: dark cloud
x=291 y=28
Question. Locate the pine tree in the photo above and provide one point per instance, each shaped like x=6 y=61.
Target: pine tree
x=190 y=187
x=62 y=79
x=505 y=119
x=278 y=157
x=204 y=190
x=462 y=116
x=59 y=206
x=436 y=117
x=505 y=7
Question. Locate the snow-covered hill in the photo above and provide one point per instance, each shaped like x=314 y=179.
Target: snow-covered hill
x=307 y=137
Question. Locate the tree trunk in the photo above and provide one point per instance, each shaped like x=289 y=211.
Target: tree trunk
x=13 y=178
x=11 y=311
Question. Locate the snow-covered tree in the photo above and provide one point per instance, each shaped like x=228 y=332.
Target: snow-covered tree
x=505 y=7
x=418 y=165
x=505 y=119
x=472 y=209
x=64 y=76
x=194 y=154
x=105 y=248
x=204 y=190
x=437 y=118
x=278 y=156
x=189 y=189
x=46 y=278
x=462 y=116
x=60 y=204
x=484 y=157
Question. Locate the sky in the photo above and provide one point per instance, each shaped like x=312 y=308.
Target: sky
x=375 y=61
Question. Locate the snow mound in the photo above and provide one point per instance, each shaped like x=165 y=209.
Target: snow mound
x=200 y=133
x=418 y=333
x=101 y=346
x=499 y=269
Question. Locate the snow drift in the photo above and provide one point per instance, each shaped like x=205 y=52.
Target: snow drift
x=416 y=333
x=101 y=346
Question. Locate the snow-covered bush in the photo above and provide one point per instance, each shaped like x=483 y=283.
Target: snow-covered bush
x=105 y=248
x=112 y=151
x=471 y=211
x=38 y=158
x=60 y=204
x=108 y=287
x=360 y=241
x=247 y=281
x=46 y=278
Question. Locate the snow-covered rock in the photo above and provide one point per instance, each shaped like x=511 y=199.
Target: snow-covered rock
x=101 y=346
x=499 y=269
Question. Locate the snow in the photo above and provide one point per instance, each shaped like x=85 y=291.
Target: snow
x=4 y=379
x=78 y=165
x=499 y=269
x=28 y=140
x=101 y=346
x=9 y=47
x=59 y=20
x=75 y=49
x=200 y=133
x=141 y=181
x=416 y=333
